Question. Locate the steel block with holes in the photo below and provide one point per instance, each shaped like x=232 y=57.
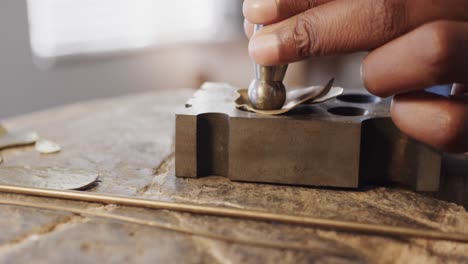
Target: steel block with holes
x=345 y=142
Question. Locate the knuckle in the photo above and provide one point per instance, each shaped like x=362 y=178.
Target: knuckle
x=302 y=5
x=305 y=36
x=310 y=3
x=293 y=6
x=441 y=50
x=388 y=18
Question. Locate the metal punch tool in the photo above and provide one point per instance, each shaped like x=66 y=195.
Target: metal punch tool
x=267 y=91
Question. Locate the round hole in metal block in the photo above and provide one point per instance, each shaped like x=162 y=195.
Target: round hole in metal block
x=347 y=111
x=359 y=98
x=305 y=110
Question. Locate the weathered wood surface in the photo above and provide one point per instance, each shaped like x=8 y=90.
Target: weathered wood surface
x=129 y=141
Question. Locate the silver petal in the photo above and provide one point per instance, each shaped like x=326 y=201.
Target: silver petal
x=48 y=177
x=45 y=146
x=294 y=98
x=18 y=139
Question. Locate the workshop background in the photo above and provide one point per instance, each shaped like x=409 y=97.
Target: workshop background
x=55 y=52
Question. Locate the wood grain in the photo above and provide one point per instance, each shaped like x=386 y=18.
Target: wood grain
x=129 y=141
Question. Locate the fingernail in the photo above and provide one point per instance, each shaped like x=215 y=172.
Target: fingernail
x=361 y=73
x=264 y=49
x=259 y=11
x=458 y=89
x=252 y=4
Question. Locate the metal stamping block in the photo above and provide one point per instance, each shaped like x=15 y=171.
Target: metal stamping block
x=346 y=142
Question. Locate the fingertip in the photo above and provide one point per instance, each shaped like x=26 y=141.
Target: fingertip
x=362 y=74
x=432 y=119
x=264 y=49
x=368 y=77
x=248 y=28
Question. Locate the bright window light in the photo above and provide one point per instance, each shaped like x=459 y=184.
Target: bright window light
x=69 y=27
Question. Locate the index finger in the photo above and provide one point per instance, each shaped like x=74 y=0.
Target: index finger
x=344 y=26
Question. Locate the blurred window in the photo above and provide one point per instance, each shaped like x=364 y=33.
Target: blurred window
x=70 y=27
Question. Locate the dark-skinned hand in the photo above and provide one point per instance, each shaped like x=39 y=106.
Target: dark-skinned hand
x=412 y=44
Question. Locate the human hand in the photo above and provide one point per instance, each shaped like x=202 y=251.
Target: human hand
x=413 y=44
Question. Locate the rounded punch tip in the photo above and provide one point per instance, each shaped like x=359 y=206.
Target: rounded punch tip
x=267 y=95
x=267 y=91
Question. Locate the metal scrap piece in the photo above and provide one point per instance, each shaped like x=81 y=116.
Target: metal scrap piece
x=48 y=177
x=294 y=98
x=45 y=146
x=18 y=139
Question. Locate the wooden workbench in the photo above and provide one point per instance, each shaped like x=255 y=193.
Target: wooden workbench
x=129 y=141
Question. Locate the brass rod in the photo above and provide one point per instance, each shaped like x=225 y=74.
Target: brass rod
x=370 y=229
x=170 y=227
